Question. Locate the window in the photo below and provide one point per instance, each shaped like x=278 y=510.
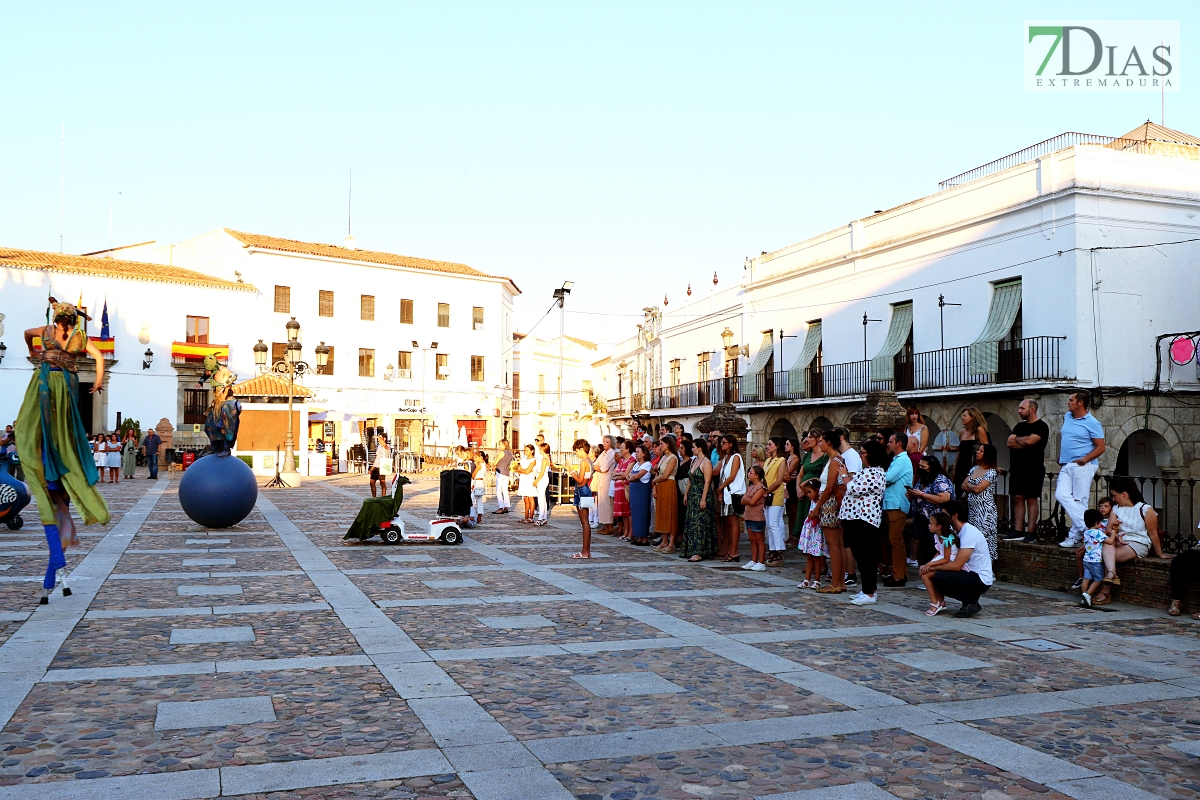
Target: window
x=367 y=307
x=443 y=315
x=366 y=363
x=587 y=389
x=443 y=367
x=477 y=318
x=404 y=360
x=476 y=368
x=674 y=372
x=702 y=366
x=283 y=299
x=406 y=312
x=328 y=369
x=541 y=384
x=195 y=406
x=197 y=330
x=278 y=350
x=325 y=304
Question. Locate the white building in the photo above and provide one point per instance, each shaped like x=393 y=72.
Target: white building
x=1052 y=269
x=418 y=346
x=536 y=409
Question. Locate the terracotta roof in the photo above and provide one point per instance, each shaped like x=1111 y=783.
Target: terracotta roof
x=1150 y=132
x=112 y=267
x=582 y=342
x=268 y=385
x=369 y=256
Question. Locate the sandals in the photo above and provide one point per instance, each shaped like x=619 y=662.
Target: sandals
x=1176 y=608
x=803 y=585
x=695 y=559
x=580 y=555
x=1112 y=579
x=831 y=590
x=935 y=609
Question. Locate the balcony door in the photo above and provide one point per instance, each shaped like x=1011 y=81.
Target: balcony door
x=1012 y=354
x=903 y=365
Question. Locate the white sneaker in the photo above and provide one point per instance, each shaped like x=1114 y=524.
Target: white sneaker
x=1069 y=542
x=748 y=565
x=758 y=567
x=862 y=600
x=912 y=563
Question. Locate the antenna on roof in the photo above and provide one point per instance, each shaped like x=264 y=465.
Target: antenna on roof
x=62 y=150
x=349 y=206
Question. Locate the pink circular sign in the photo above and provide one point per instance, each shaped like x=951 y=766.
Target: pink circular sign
x=1183 y=350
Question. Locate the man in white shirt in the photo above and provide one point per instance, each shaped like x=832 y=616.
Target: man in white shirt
x=969 y=575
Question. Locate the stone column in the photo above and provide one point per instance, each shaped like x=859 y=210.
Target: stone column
x=880 y=410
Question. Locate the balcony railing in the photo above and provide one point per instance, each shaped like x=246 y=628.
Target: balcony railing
x=1035 y=358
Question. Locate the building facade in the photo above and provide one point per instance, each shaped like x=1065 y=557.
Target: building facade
x=1067 y=265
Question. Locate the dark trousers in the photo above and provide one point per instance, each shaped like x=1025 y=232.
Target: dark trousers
x=1184 y=567
x=152 y=463
x=962 y=586
x=863 y=540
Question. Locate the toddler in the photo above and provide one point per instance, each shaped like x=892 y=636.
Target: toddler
x=812 y=540
x=1104 y=505
x=1094 y=539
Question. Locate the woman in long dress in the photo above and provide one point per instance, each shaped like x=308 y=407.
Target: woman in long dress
x=525 y=482
x=59 y=466
x=129 y=450
x=639 y=496
x=700 y=529
x=666 y=496
x=974 y=432
x=810 y=469
x=620 y=490
x=99 y=454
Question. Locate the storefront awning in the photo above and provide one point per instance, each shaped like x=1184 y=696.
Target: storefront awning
x=984 y=354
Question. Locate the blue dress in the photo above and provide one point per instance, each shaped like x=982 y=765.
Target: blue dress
x=639 y=506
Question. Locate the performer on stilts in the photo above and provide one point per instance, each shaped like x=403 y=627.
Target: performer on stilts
x=52 y=441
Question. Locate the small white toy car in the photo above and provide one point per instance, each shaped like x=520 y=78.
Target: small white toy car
x=446 y=531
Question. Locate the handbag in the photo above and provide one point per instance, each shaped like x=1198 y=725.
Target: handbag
x=735 y=500
x=587 y=502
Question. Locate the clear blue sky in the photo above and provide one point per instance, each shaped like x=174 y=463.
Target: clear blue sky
x=630 y=147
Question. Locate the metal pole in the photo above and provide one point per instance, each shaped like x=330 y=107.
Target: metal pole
x=290 y=454
x=561 y=314
x=864 y=336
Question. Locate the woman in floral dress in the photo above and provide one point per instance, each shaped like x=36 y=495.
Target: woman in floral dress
x=979 y=488
x=700 y=528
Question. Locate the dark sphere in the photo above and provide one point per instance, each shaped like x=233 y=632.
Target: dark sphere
x=218 y=491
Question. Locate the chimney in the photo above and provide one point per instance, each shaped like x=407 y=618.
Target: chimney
x=349 y=242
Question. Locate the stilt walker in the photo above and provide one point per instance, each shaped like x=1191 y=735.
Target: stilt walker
x=59 y=467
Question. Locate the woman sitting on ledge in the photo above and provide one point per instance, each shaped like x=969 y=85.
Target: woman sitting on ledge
x=1136 y=526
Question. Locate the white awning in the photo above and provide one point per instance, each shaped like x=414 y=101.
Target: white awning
x=984 y=354
x=901 y=325
x=812 y=343
x=765 y=351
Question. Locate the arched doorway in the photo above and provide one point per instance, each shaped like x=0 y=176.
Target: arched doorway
x=784 y=428
x=1143 y=454
x=821 y=424
x=998 y=433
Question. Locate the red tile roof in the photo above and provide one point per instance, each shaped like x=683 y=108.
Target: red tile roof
x=369 y=256
x=115 y=268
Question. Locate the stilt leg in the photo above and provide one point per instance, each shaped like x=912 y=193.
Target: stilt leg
x=57 y=561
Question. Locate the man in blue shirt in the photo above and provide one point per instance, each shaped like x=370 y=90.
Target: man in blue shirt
x=1081 y=443
x=895 y=507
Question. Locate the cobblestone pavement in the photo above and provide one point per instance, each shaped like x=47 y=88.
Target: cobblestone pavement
x=275 y=660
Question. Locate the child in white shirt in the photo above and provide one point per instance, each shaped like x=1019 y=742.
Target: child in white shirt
x=1094 y=539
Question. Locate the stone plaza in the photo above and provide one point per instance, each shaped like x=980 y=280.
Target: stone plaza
x=275 y=660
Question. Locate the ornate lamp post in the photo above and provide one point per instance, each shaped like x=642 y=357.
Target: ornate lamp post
x=293 y=366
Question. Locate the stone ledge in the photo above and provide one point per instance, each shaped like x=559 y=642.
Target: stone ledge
x=1145 y=582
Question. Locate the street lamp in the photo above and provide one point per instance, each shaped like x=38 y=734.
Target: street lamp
x=322 y=351
x=3 y=350
x=424 y=371
x=560 y=296
x=865 y=321
x=147 y=358
x=942 y=316
x=293 y=366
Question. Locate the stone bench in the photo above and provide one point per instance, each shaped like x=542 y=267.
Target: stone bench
x=1145 y=582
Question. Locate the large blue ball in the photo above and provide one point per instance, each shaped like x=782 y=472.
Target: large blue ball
x=218 y=491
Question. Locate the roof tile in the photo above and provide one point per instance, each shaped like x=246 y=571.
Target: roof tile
x=112 y=267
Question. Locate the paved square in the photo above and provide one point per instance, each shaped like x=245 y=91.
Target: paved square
x=657 y=576
x=764 y=610
x=467 y=583
x=937 y=661
x=243 y=633
x=206 y=591
x=213 y=713
x=627 y=684
x=500 y=669
x=523 y=621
